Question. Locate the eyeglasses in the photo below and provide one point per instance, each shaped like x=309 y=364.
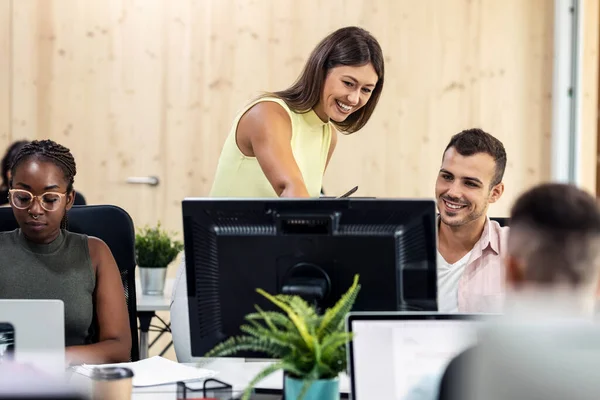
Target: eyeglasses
x=23 y=199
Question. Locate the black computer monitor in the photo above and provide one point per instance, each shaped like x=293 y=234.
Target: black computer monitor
x=310 y=247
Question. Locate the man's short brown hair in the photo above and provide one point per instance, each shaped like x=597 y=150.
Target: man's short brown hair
x=474 y=141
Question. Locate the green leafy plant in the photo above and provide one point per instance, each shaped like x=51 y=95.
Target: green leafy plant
x=154 y=248
x=308 y=346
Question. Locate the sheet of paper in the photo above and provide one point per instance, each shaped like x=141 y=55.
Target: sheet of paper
x=155 y=371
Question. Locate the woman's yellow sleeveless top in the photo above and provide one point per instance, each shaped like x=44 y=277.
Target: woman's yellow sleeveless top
x=238 y=175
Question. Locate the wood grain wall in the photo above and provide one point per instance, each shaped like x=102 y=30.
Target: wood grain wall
x=5 y=18
x=588 y=147
x=149 y=87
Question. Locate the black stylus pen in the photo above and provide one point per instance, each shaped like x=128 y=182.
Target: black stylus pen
x=349 y=192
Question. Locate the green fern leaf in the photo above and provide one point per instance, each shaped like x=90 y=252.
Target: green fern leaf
x=303 y=365
x=254 y=324
x=336 y=360
x=301 y=307
x=222 y=347
x=333 y=319
x=305 y=311
x=335 y=340
x=272 y=319
x=298 y=322
x=334 y=348
x=291 y=368
x=244 y=343
x=279 y=338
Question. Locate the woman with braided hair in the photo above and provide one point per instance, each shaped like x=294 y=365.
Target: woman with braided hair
x=80 y=270
x=5 y=164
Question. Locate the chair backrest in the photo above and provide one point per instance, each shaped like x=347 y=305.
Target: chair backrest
x=79 y=199
x=114 y=226
x=503 y=221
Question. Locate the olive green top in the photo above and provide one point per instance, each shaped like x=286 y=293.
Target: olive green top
x=60 y=270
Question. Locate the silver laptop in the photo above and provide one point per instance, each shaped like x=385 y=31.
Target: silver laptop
x=402 y=355
x=33 y=333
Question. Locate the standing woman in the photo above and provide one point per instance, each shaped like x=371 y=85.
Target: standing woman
x=280 y=144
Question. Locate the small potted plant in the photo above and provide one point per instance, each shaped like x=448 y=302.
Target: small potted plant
x=309 y=348
x=154 y=250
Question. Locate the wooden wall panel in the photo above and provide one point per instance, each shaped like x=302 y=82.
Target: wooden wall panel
x=454 y=65
x=89 y=75
x=5 y=19
x=150 y=87
x=588 y=147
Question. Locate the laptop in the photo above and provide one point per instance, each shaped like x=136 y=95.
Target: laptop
x=33 y=333
x=402 y=355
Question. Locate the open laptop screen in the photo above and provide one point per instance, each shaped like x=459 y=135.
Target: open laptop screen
x=36 y=332
x=401 y=356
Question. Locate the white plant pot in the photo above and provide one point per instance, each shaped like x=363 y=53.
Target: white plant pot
x=153 y=280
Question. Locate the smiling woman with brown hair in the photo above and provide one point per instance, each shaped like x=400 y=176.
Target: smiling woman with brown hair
x=280 y=144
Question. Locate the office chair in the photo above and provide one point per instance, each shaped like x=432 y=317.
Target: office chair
x=114 y=226
x=79 y=199
x=503 y=221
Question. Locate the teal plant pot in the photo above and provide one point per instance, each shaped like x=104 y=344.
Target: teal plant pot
x=322 y=389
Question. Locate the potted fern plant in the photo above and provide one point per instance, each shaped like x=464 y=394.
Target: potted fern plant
x=310 y=348
x=155 y=249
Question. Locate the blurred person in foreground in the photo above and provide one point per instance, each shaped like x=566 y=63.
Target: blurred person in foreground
x=545 y=344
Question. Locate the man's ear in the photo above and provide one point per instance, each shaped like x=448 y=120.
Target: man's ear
x=496 y=192
x=514 y=272
x=70 y=199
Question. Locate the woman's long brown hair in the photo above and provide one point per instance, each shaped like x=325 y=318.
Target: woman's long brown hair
x=351 y=46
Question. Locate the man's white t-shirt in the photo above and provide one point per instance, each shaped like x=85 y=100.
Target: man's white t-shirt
x=448 y=276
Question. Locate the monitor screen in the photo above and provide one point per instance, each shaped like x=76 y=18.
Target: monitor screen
x=307 y=247
x=402 y=358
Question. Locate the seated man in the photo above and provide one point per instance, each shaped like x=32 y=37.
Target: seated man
x=553 y=255
x=469 y=266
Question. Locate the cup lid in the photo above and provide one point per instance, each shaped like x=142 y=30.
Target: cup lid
x=111 y=373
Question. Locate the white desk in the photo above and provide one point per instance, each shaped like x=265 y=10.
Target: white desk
x=147 y=306
x=146 y=302
x=235 y=372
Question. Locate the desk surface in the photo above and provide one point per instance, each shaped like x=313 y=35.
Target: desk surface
x=234 y=371
x=154 y=303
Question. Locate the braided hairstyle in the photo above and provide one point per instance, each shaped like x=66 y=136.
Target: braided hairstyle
x=48 y=150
